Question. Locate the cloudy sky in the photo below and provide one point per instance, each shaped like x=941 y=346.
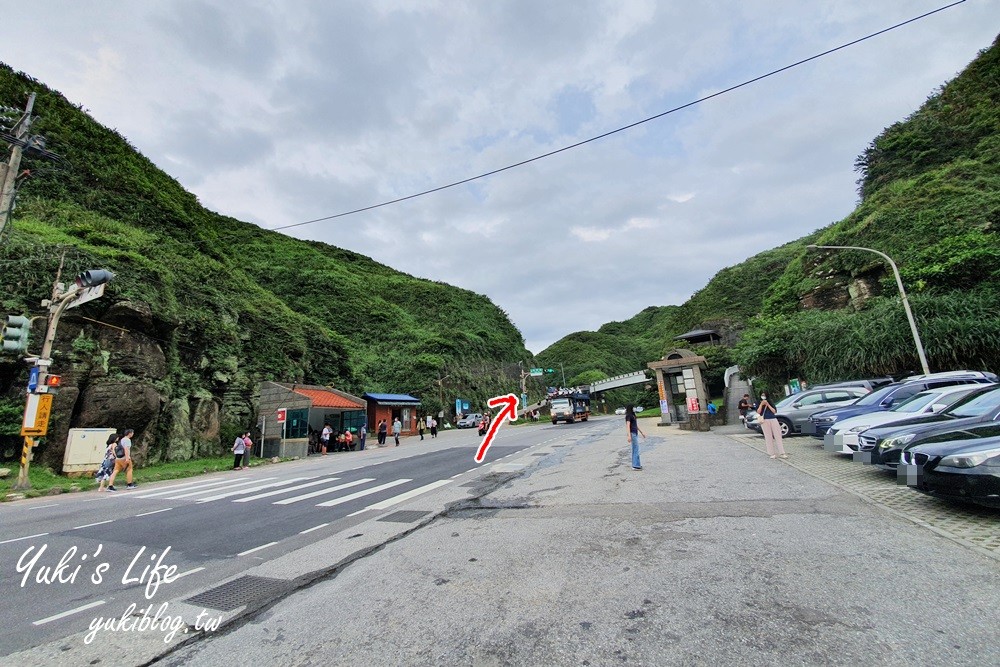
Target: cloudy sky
x=277 y=112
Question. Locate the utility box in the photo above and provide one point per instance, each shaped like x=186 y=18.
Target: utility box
x=85 y=449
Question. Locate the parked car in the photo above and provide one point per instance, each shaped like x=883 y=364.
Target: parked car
x=842 y=438
x=794 y=411
x=882 y=446
x=469 y=421
x=967 y=469
x=871 y=384
x=892 y=395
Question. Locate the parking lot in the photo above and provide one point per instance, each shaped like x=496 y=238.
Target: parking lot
x=974 y=527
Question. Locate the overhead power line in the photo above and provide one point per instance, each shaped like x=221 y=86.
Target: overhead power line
x=622 y=128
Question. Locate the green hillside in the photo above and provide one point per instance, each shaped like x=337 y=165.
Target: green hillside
x=930 y=198
x=204 y=306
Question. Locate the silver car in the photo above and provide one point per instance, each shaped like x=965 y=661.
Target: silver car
x=794 y=411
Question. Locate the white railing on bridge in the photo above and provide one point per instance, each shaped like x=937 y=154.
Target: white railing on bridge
x=619 y=381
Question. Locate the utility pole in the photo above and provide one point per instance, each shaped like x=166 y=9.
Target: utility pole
x=9 y=171
x=88 y=285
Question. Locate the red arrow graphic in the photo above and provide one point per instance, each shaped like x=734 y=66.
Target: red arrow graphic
x=509 y=411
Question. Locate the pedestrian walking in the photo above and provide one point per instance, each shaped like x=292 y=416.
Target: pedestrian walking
x=420 y=428
x=434 y=428
x=239 y=446
x=364 y=436
x=632 y=436
x=744 y=407
x=771 y=428
x=324 y=438
x=383 y=430
x=397 y=428
x=123 y=460
x=247 y=449
x=108 y=463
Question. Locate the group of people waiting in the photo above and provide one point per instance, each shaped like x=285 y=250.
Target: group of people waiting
x=343 y=442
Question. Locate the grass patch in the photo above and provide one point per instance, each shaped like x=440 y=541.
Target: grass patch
x=44 y=480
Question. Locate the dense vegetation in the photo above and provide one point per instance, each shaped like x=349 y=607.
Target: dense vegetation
x=231 y=304
x=930 y=198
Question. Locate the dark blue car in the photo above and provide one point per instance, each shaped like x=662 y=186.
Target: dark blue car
x=892 y=395
x=965 y=467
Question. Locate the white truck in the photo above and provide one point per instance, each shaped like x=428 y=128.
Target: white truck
x=570 y=407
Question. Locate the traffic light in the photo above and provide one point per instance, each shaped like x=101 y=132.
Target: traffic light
x=53 y=381
x=94 y=277
x=15 y=333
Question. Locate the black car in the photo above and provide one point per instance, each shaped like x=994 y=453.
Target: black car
x=967 y=469
x=882 y=446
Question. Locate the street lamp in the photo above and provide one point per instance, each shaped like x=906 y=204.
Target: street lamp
x=902 y=294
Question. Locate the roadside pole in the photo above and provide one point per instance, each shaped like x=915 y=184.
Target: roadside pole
x=42 y=385
x=9 y=171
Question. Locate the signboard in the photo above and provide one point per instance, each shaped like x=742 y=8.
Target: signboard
x=33 y=379
x=693 y=404
x=36 y=414
x=794 y=385
x=282 y=413
x=537 y=372
x=87 y=294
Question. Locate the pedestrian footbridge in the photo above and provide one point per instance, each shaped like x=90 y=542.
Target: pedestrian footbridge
x=626 y=380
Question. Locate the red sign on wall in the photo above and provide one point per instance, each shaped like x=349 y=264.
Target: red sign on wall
x=282 y=412
x=693 y=405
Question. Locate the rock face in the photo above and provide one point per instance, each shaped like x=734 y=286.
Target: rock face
x=119 y=378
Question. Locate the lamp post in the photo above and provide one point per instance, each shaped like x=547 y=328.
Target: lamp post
x=902 y=294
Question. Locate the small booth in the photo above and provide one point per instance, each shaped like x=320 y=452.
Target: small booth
x=390 y=407
x=701 y=337
x=678 y=373
x=304 y=409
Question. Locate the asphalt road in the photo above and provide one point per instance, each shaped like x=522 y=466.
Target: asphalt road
x=210 y=528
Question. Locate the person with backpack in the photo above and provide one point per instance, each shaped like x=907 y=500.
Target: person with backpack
x=123 y=460
x=108 y=464
x=239 y=446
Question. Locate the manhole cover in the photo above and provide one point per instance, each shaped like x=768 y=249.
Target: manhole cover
x=239 y=592
x=404 y=516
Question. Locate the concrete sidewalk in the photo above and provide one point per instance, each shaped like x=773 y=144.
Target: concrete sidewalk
x=713 y=553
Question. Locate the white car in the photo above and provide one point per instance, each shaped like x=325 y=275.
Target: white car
x=620 y=411
x=842 y=438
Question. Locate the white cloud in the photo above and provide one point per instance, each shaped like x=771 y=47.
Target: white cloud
x=277 y=117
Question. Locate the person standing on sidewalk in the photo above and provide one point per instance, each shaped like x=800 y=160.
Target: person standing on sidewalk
x=324 y=437
x=247 y=449
x=633 y=432
x=383 y=430
x=364 y=435
x=420 y=428
x=771 y=428
x=434 y=427
x=397 y=428
x=239 y=446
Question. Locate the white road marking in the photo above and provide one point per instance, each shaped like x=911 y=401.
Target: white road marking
x=357 y=513
x=360 y=494
x=239 y=492
x=188 y=494
x=184 y=574
x=26 y=537
x=68 y=613
x=250 y=551
x=177 y=487
x=309 y=530
x=291 y=488
x=41 y=507
x=92 y=524
x=165 y=509
x=457 y=475
x=395 y=500
x=323 y=492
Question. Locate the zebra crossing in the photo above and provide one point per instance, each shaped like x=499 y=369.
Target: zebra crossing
x=290 y=491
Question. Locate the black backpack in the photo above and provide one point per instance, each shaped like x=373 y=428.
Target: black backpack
x=119 y=451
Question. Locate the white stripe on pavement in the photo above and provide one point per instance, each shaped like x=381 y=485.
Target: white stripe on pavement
x=360 y=494
x=165 y=509
x=239 y=492
x=395 y=500
x=279 y=491
x=184 y=574
x=68 y=613
x=177 y=487
x=309 y=530
x=26 y=537
x=88 y=525
x=41 y=507
x=323 y=492
x=250 y=551
x=188 y=494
